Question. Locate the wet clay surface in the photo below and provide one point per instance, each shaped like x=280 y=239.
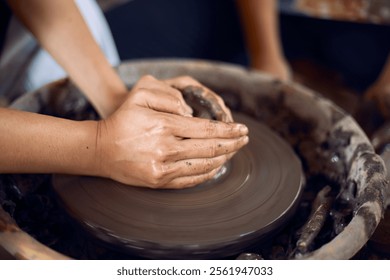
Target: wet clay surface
x=219 y=218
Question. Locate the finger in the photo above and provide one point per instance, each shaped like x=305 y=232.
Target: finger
x=190 y=181
x=160 y=101
x=205 y=148
x=166 y=172
x=150 y=92
x=203 y=128
x=191 y=167
x=157 y=85
x=184 y=81
x=229 y=156
x=164 y=101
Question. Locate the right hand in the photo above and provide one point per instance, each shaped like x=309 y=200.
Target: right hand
x=153 y=141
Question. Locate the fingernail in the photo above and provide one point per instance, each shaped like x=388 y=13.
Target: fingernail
x=243 y=129
x=189 y=110
x=245 y=139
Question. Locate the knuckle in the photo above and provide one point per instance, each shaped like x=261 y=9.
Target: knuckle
x=141 y=91
x=147 y=77
x=158 y=175
x=210 y=127
x=163 y=125
x=144 y=80
x=164 y=153
x=161 y=154
x=214 y=148
x=188 y=79
x=209 y=164
x=172 y=153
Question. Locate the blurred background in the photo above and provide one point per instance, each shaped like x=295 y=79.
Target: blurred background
x=337 y=47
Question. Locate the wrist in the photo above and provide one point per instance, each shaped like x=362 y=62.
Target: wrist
x=83 y=157
x=107 y=94
x=111 y=98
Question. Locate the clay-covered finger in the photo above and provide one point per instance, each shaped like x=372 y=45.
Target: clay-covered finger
x=190 y=181
x=204 y=128
x=191 y=167
x=152 y=83
x=154 y=94
x=204 y=148
x=165 y=101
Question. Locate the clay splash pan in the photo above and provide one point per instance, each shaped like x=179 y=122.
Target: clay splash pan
x=222 y=217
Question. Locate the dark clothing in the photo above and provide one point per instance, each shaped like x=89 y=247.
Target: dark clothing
x=203 y=29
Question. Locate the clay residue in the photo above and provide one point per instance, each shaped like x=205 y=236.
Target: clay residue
x=202 y=108
x=369 y=218
x=203 y=103
x=372 y=166
x=376 y=193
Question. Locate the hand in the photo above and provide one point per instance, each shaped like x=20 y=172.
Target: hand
x=153 y=141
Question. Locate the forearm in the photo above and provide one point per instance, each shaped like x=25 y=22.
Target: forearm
x=259 y=19
x=61 y=30
x=33 y=143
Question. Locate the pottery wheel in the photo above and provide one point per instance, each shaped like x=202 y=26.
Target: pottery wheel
x=221 y=217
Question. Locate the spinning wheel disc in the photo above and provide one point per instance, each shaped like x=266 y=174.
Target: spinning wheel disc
x=221 y=217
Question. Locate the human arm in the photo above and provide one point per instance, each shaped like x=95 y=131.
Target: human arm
x=35 y=143
x=60 y=28
x=260 y=22
x=146 y=142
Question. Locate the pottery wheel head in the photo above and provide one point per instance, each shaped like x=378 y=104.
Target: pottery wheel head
x=221 y=217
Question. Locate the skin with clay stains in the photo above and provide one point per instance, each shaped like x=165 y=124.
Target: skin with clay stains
x=147 y=135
